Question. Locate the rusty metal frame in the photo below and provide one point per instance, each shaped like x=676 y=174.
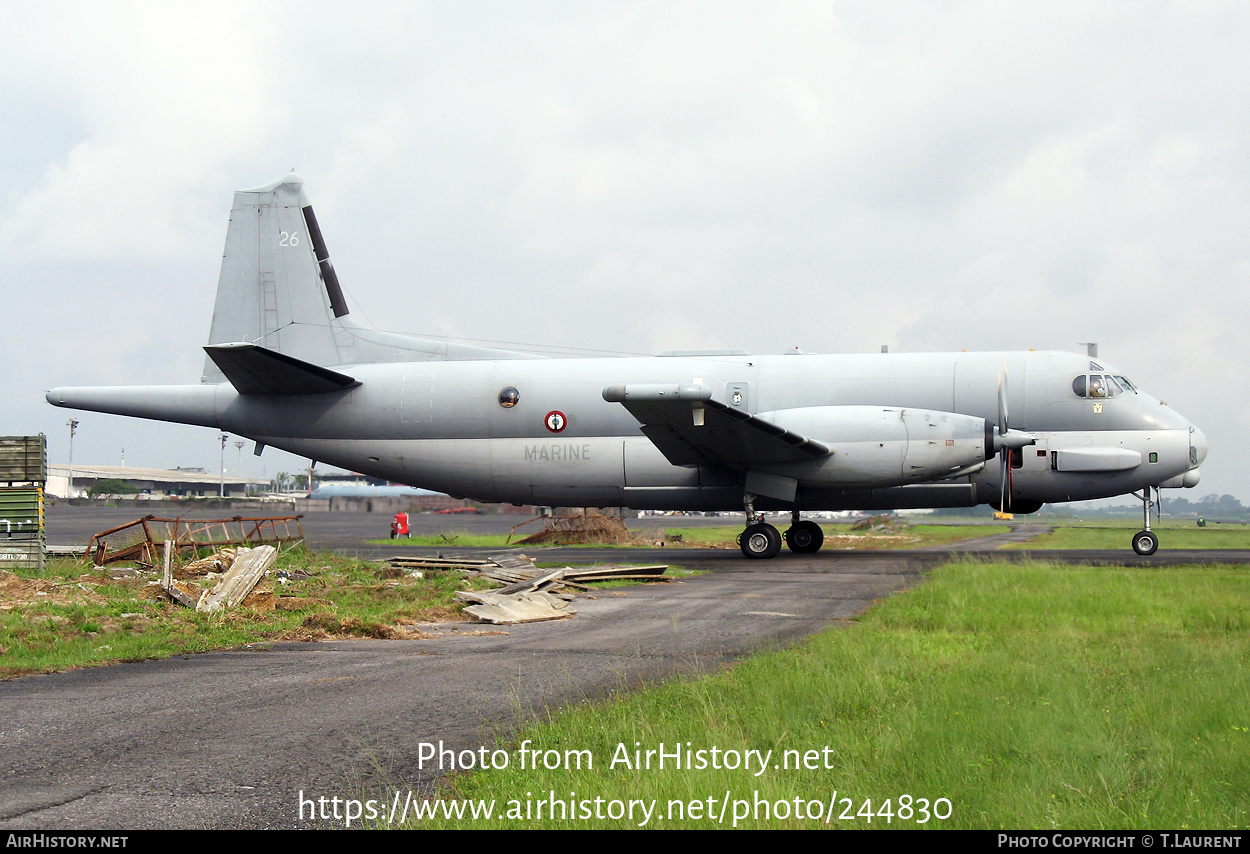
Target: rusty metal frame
x=141 y=540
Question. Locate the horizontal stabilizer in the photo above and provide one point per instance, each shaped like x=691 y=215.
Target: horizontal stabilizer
x=253 y=369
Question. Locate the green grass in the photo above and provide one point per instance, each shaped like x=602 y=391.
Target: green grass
x=910 y=536
x=933 y=535
x=450 y=538
x=1029 y=696
x=1113 y=535
x=85 y=619
x=913 y=536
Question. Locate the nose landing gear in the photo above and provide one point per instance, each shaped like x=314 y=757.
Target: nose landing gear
x=1145 y=541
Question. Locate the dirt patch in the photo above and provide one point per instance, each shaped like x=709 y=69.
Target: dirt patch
x=18 y=591
x=326 y=626
x=592 y=528
x=870 y=541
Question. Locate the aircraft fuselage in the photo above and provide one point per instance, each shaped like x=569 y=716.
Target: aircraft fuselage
x=440 y=425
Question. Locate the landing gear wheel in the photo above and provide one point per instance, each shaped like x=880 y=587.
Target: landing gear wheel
x=1145 y=542
x=760 y=541
x=804 y=538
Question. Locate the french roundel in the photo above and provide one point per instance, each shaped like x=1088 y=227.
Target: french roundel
x=555 y=421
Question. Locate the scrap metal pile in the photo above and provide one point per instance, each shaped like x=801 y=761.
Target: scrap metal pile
x=529 y=594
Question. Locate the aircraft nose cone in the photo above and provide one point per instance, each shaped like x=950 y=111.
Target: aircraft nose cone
x=1197 y=446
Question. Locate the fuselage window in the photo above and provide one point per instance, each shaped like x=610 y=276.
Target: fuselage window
x=1078 y=386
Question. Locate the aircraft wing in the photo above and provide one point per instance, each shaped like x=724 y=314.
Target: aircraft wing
x=691 y=429
x=253 y=369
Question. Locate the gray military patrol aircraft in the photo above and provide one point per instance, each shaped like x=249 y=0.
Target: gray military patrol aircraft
x=702 y=430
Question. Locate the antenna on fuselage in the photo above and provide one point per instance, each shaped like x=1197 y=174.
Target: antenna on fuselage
x=1091 y=348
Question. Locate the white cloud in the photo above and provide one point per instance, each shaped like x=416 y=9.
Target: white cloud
x=166 y=95
x=833 y=176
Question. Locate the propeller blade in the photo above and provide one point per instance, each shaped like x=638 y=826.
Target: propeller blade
x=1002 y=401
x=1004 y=471
x=1011 y=482
x=1005 y=441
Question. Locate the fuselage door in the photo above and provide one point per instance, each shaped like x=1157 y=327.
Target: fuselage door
x=416 y=399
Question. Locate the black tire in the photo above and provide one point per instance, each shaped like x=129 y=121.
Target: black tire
x=804 y=538
x=760 y=542
x=1145 y=542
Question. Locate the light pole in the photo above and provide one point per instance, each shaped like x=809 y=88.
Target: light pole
x=221 y=492
x=73 y=428
x=238 y=443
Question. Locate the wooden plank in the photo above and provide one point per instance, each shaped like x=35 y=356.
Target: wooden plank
x=248 y=568
x=182 y=597
x=518 y=608
x=595 y=573
x=511 y=560
x=530 y=583
x=167 y=566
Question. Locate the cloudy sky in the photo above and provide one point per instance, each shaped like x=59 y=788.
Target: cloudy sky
x=631 y=177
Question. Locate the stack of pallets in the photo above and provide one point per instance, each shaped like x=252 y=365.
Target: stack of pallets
x=23 y=473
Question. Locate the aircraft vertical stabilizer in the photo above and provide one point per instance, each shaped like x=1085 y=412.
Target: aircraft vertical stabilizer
x=278 y=290
x=271 y=291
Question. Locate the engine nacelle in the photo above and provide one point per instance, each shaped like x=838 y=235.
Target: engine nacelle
x=883 y=446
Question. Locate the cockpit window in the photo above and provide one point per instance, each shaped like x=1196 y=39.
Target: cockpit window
x=1100 y=386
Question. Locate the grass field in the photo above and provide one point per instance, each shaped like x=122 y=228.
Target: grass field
x=844 y=537
x=449 y=538
x=70 y=617
x=1014 y=696
x=1117 y=535
x=836 y=537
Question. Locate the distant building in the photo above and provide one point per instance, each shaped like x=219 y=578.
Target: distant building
x=151 y=483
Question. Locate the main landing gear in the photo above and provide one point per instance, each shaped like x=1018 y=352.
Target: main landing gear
x=761 y=540
x=1145 y=542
